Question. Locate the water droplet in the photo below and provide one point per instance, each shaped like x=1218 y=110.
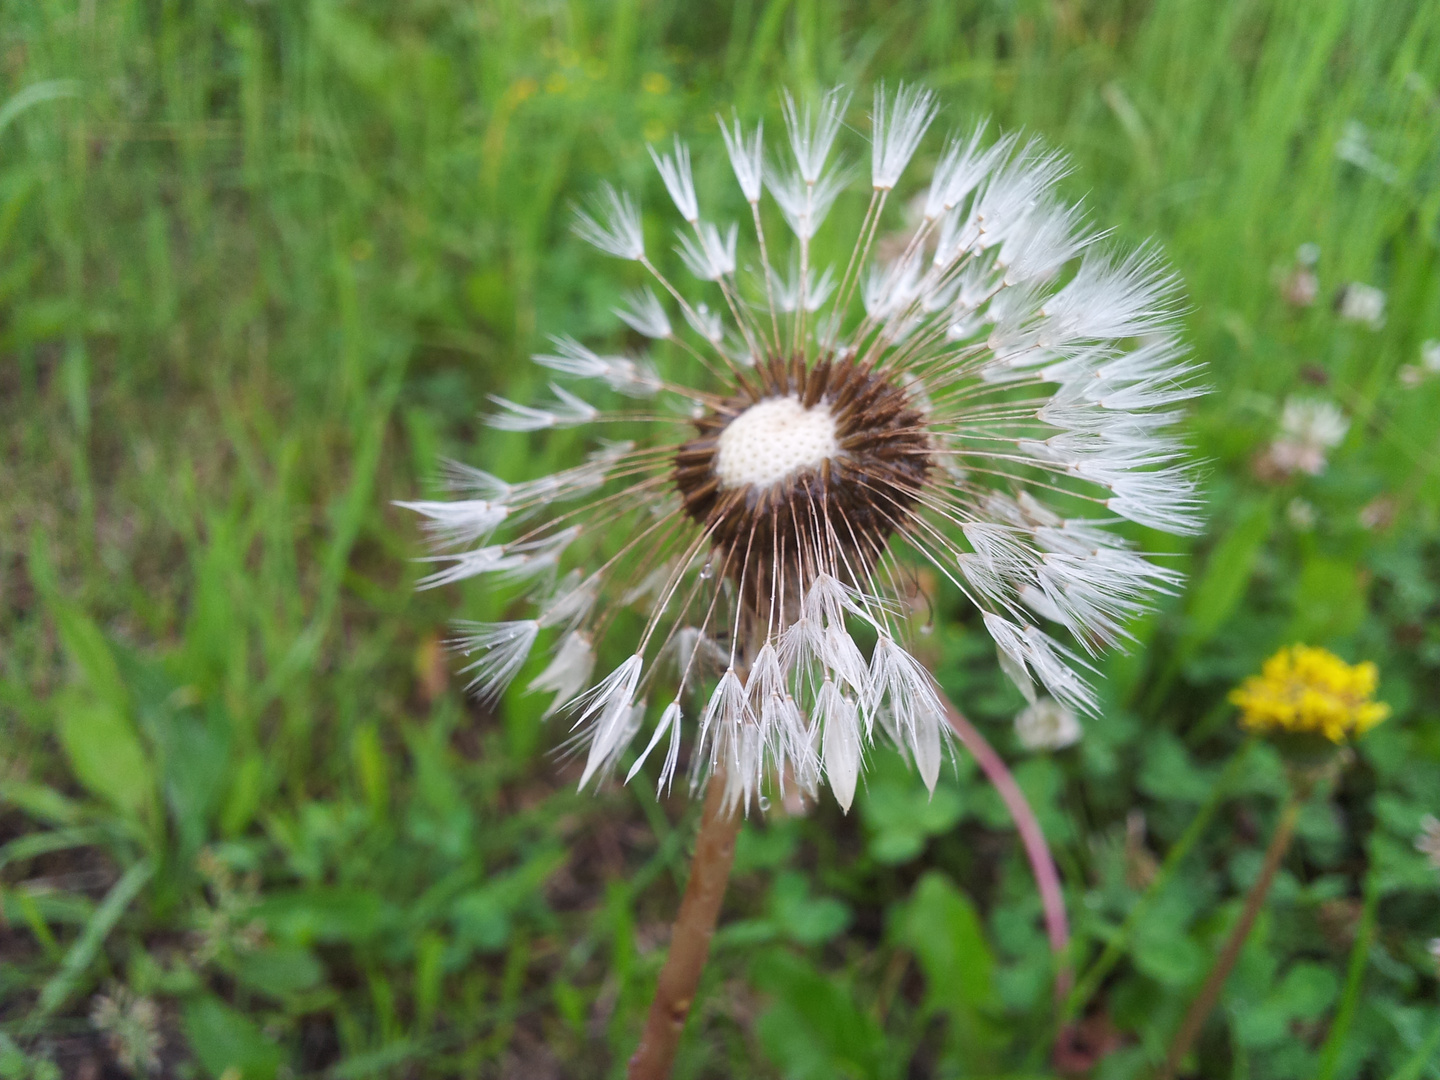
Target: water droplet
x=764 y=803
x=707 y=571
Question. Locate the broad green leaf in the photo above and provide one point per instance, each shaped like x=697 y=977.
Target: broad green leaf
x=279 y=970
x=92 y=654
x=813 y=1028
x=105 y=752
x=325 y=913
x=941 y=927
x=806 y=919
x=227 y=1043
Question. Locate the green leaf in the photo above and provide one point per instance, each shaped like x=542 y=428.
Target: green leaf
x=223 y=1039
x=40 y=802
x=324 y=913
x=813 y=1029
x=83 y=952
x=1306 y=991
x=1164 y=951
x=92 y=654
x=482 y=917
x=941 y=927
x=105 y=753
x=806 y=919
x=1168 y=773
x=1329 y=600
x=279 y=971
x=191 y=744
x=372 y=767
x=900 y=814
x=1217 y=592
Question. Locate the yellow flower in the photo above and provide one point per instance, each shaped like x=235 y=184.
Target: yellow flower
x=1308 y=690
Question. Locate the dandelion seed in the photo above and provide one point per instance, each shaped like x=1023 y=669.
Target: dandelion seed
x=567 y=412
x=747 y=157
x=898 y=131
x=986 y=399
x=711 y=256
x=678 y=181
x=644 y=314
x=615 y=226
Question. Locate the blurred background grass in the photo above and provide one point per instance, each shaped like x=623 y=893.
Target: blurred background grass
x=263 y=261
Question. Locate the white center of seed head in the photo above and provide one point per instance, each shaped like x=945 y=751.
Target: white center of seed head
x=772 y=440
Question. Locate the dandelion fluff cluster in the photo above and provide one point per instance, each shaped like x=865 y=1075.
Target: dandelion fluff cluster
x=990 y=398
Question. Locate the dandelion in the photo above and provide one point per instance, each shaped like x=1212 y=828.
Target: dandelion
x=1305 y=690
x=1309 y=429
x=992 y=400
x=1305 y=699
x=1047 y=725
x=1302 y=695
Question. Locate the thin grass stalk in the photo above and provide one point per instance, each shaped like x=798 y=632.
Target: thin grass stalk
x=1204 y=1003
x=690 y=938
x=1354 y=977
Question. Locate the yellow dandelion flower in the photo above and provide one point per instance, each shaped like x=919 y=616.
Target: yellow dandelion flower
x=1305 y=690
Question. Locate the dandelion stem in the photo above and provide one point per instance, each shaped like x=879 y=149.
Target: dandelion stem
x=690 y=938
x=1047 y=878
x=1204 y=1003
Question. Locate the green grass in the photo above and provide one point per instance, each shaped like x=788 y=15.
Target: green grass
x=263 y=261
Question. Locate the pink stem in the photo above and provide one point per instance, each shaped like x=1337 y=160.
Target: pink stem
x=1057 y=926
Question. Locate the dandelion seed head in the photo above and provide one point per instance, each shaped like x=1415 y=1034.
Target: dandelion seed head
x=986 y=393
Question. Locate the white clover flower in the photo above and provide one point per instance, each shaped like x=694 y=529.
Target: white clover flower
x=1309 y=429
x=1430 y=356
x=1047 y=725
x=990 y=398
x=1362 y=303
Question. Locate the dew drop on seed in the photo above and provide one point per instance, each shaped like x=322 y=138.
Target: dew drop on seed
x=707 y=571
x=764 y=803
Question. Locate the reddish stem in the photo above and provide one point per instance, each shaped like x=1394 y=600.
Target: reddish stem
x=1047 y=878
x=1204 y=1003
